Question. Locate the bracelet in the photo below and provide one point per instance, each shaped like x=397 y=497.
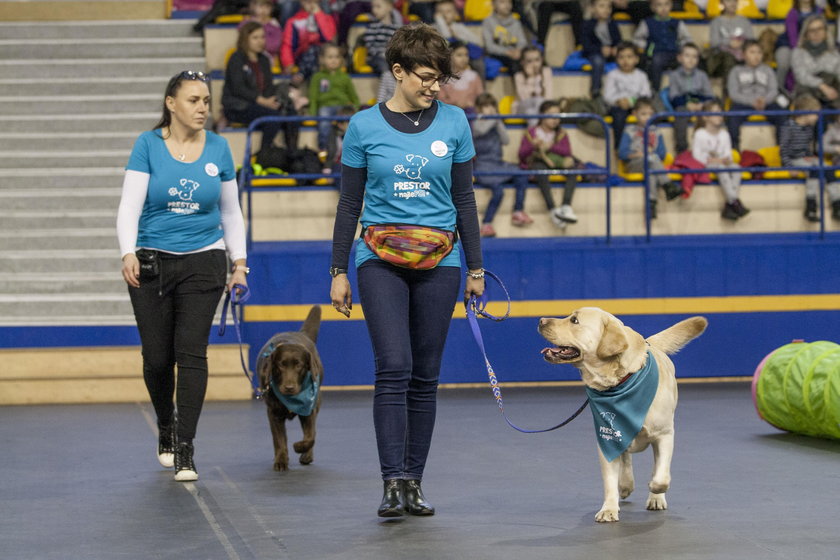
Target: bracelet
x=476 y=275
x=243 y=268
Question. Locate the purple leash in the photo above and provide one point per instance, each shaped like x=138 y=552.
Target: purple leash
x=234 y=301
x=476 y=306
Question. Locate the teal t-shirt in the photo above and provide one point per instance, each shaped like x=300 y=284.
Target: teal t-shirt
x=409 y=176
x=181 y=212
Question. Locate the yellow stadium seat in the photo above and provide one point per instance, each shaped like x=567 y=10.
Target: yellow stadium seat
x=360 y=64
x=230 y=18
x=477 y=10
x=273 y=182
x=506 y=108
x=773 y=158
x=363 y=18
x=746 y=8
x=778 y=9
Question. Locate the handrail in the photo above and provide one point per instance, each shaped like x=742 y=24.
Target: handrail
x=821 y=167
x=246 y=172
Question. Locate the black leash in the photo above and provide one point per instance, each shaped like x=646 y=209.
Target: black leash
x=235 y=301
x=476 y=306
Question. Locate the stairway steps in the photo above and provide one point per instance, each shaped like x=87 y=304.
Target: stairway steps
x=77 y=86
x=66 y=304
x=98 y=29
x=68 y=282
x=58 y=261
x=75 y=178
x=106 y=122
x=101 y=48
x=104 y=67
x=62 y=140
x=79 y=105
x=64 y=158
x=82 y=219
x=62 y=238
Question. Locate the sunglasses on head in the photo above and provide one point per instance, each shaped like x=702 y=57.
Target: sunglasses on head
x=192 y=75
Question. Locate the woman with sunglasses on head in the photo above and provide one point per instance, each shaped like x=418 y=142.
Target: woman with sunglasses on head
x=409 y=161
x=178 y=214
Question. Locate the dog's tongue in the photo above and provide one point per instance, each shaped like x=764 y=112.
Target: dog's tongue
x=545 y=351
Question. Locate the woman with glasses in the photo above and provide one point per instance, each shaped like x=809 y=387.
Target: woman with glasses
x=178 y=215
x=816 y=63
x=249 y=92
x=408 y=160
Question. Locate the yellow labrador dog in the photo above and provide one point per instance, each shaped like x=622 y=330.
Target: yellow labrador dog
x=608 y=353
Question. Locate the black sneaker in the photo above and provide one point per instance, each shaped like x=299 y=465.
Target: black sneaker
x=729 y=212
x=740 y=208
x=811 y=212
x=672 y=190
x=652 y=208
x=835 y=210
x=184 y=465
x=166 y=445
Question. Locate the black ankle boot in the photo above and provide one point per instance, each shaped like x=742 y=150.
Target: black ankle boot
x=811 y=210
x=835 y=210
x=392 y=499
x=415 y=501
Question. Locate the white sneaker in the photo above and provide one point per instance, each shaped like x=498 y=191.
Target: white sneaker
x=554 y=214
x=567 y=214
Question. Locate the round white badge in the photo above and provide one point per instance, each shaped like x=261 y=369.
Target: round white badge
x=211 y=169
x=439 y=148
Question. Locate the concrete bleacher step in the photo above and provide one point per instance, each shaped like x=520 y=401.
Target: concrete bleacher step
x=63 y=158
x=103 y=67
x=105 y=122
x=58 y=238
x=138 y=28
x=83 y=86
x=101 y=48
x=99 y=374
x=80 y=219
x=79 y=10
x=55 y=283
x=79 y=104
x=66 y=304
x=59 y=260
x=43 y=176
x=62 y=140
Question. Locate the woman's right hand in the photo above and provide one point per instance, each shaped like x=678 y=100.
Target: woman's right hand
x=131 y=270
x=341 y=295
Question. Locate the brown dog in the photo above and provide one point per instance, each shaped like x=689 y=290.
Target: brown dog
x=291 y=373
x=607 y=353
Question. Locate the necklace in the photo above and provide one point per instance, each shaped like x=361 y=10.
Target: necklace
x=182 y=157
x=417 y=122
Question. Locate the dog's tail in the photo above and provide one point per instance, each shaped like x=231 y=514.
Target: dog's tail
x=672 y=339
x=312 y=324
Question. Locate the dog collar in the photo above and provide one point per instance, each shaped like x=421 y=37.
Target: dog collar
x=303 y=403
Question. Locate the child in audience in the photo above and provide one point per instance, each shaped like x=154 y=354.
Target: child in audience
x=446 y=21
x=659 y=37
x=752 y=85
x=688 y=88
x=335 y=140
x=329 y=89
x=797 y=146
x=303 y=35
x=789 y=40
x=377 y=34
x=504 y=37
x=713 y=148
x=533 y=83
x=489 y=135
x=600 y=37
x=467 y=85
x=631 y=152
x=546 y=146
x=260 y=11
x=623 y=86
x=727 y=34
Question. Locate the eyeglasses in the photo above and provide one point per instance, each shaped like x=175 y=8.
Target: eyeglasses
x=192 y=75
x=428 y=81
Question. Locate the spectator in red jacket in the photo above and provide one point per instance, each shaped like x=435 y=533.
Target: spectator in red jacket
x=304 y=33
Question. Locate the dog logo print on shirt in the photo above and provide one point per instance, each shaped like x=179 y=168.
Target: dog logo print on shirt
x=415 y=188
x=184 y=204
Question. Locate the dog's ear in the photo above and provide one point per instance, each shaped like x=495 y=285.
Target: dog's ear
x=613 y=339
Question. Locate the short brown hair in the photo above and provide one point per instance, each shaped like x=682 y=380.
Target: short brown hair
x=806 y=102
x=244 y=32
x=484 y=99
x=417 y=45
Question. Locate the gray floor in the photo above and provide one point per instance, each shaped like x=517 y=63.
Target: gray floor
x=82 y=482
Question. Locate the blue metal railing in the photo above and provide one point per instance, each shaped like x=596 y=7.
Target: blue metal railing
x=820 y=168
x=246 y=174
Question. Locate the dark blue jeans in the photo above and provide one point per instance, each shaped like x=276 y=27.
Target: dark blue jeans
x=174 y=312
x=520 y=184
x=407 y=313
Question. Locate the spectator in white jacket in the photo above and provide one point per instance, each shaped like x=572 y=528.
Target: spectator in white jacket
x=623 y=86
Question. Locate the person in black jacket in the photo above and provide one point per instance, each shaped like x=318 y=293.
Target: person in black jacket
x=249 y=91
x=599 y=37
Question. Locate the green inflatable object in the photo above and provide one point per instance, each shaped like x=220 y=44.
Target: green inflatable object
x=797 y=388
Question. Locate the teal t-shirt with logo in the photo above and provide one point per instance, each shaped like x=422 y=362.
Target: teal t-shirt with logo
x=181 y=213
x=409 y=176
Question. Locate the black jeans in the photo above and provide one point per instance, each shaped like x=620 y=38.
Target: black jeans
x=407 y=313
x=174 y=312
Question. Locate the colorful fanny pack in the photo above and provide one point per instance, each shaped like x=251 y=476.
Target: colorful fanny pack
x=408 y=246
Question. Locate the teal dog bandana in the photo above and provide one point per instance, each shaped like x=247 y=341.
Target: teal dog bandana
x=303 y=403
x=620 y=412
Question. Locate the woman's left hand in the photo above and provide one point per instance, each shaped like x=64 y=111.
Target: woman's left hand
x=237 y=277
x=475 y=287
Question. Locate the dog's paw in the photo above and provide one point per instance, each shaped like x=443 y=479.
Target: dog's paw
x=306 y=457
x=656 y=502
x=607 y=516
x=625 y=490
x=281 y=466
x=303 y=445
